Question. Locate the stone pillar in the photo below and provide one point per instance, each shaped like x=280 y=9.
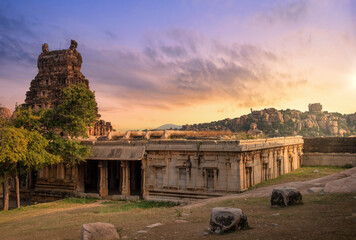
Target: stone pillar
x=80 y=179
x=74 y=172
x=205 y=179
x=125 y=178
x=168 y=169
x=103 y=178
x=58 y=171
x=215 y=179
x=61 y=171
x=144 y=173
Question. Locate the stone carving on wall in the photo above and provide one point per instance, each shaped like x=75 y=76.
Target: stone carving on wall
x=45 y=48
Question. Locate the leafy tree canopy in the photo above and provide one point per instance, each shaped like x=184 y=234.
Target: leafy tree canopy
x=76 y=113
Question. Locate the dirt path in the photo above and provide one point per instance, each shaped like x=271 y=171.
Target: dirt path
x=267 y=191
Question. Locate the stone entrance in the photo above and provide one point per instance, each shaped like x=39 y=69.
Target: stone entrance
x=135 y=178
x=91 y=177
x=114 y=177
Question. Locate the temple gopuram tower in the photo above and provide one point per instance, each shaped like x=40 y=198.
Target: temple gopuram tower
x=56 y=70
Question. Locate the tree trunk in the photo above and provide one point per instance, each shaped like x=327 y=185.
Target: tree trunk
x=6 y=193
x=17 y=184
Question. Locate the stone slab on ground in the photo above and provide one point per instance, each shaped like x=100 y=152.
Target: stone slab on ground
x=99 y=230
x=180 y=221
x=315 y=190
x=154 y=225
x=224 y=219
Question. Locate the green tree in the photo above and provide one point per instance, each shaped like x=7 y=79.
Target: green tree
x=34 y=139
x=21 y=150
x=76 y=113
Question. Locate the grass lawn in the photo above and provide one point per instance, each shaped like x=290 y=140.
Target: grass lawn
x=321 y=217
x=301 y=174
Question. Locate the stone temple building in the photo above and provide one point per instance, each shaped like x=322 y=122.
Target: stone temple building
x=57 y=70
x=163 y=167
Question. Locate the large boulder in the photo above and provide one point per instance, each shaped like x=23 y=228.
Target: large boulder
x=5 y=113
x=224 y=219
x=99 y=230
x=285 y=197
x=343 y=185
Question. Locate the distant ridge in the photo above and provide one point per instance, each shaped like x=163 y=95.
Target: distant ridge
x=277 y=123
x=169 y=126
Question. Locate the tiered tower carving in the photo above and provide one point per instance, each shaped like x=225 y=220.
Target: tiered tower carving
x=56 y=70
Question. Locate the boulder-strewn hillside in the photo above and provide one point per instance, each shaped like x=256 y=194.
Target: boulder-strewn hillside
x=273 y=123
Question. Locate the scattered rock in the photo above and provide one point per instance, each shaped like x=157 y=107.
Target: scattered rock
x=285 y=197
x=316 y=171
x=154 y=225
x=99 y=230
x=315 y=190
x=274 y=224
x=276 y=214
x=142 y=231
x=180 y=221
x=224 y=219
x=343 y=185
x=206 y=233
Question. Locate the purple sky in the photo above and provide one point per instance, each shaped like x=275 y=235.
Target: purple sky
x=157 y=62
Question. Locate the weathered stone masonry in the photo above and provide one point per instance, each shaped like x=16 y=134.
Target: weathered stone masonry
x=329 y=151
x=57 y=70
x=157 y=169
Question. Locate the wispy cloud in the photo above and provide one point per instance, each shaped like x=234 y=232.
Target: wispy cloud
x=180 y=68
x=283 y=12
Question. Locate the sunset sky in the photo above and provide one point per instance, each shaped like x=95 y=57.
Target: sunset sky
x=157 y=62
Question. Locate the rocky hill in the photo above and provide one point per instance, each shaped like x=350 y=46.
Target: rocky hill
x=273 y=123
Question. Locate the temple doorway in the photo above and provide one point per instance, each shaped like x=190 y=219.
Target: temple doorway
x=114 y=178
x=135 y=178
x=91 y=176
x=210 y=179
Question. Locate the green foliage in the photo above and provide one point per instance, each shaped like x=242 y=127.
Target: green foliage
x=72 y=117
x=29 y=119
x=69 y=150
x=76 y=113
x=13 y=148
x=348 y=165
x=22 y=150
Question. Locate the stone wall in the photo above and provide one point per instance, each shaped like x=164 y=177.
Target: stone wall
x=329 y=151
x=330 y=145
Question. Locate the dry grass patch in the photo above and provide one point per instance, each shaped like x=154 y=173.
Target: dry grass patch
x=301 y=174
x=321 y=217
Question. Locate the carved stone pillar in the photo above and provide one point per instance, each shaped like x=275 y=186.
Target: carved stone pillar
x=144 y=170
x=215 y=179
x=206 y=179
x=103 y=178
x=125 y=178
